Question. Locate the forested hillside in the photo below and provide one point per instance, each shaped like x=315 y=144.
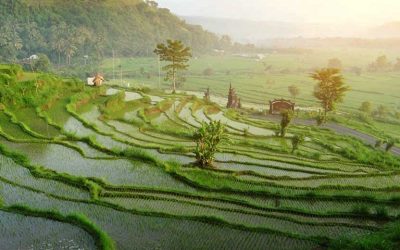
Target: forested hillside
x=66 y=31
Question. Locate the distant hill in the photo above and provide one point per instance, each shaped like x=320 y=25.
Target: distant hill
x=257 y=31
x=67 y=29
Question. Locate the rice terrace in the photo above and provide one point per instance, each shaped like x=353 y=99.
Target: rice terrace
x=125 y=126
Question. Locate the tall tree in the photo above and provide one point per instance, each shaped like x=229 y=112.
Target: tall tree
x=330 y=88
x=69 y=51
x=335 y=63
x=34 y=41
x=10 y=40
x=177 y=55
x=58 y=39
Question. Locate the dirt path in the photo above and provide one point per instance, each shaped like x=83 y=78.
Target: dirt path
x=340 y=129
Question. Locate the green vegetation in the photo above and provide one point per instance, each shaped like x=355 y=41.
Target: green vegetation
x=208 y=137
x=178 y=56
x=80 y=33
x=124 y=156
x=287 y=116
x=330 y=88
x=388 y=239
x=131 y=165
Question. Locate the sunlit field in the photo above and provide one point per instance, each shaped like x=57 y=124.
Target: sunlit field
x=255 y=84
x=200 y=124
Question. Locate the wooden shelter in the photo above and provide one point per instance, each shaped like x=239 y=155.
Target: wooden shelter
x=278 y=105
x=97 y=80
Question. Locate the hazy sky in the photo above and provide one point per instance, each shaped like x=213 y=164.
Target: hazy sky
x=360 y=11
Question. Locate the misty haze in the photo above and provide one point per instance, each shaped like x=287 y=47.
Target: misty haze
x=200 y=124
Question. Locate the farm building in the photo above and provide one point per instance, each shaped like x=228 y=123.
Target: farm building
x=278 y=105
x=97 y=80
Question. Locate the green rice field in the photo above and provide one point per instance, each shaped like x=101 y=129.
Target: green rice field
x=109 y=168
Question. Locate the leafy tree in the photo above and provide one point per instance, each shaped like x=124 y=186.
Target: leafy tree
x=366 y=107
x=297 y=140
x=330 y=88
x=335 y=63
x=389 y=144
x=294 y=91
x=177 y=55
x=381 y=63
x=41 y=64
x=33 y=38
x=10 y=40
x=381 y=111
x=287 y=116
x=207 y=138
x=378 y=143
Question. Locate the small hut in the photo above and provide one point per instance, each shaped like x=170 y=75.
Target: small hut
x=278 y=105
x=97 y=80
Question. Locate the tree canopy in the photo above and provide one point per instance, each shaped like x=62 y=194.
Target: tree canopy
x=330 y=88
x=177 y=55
x=66 y=31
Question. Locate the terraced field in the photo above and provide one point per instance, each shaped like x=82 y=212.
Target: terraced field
x=109 y=167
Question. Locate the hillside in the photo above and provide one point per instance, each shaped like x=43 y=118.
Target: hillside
x=66 y=30
x=115 y=165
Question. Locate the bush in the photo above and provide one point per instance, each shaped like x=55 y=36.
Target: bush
x=296 y=141
x=381 y=212
x=287 y=116
x=207 y=138
x=361 y=210
x=42 y=64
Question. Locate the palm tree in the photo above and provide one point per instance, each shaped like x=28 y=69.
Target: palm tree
x=69 y=51
x=58 y=39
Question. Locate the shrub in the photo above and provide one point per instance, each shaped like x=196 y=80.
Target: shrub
x=361 y=210
x=207 y=138
x=389 y=144
x=366 y=107
x=42 y=64
x=381 y=212
x=287 y=116
x=296 y=141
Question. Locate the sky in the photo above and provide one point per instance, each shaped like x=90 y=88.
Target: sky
x=314 y=11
